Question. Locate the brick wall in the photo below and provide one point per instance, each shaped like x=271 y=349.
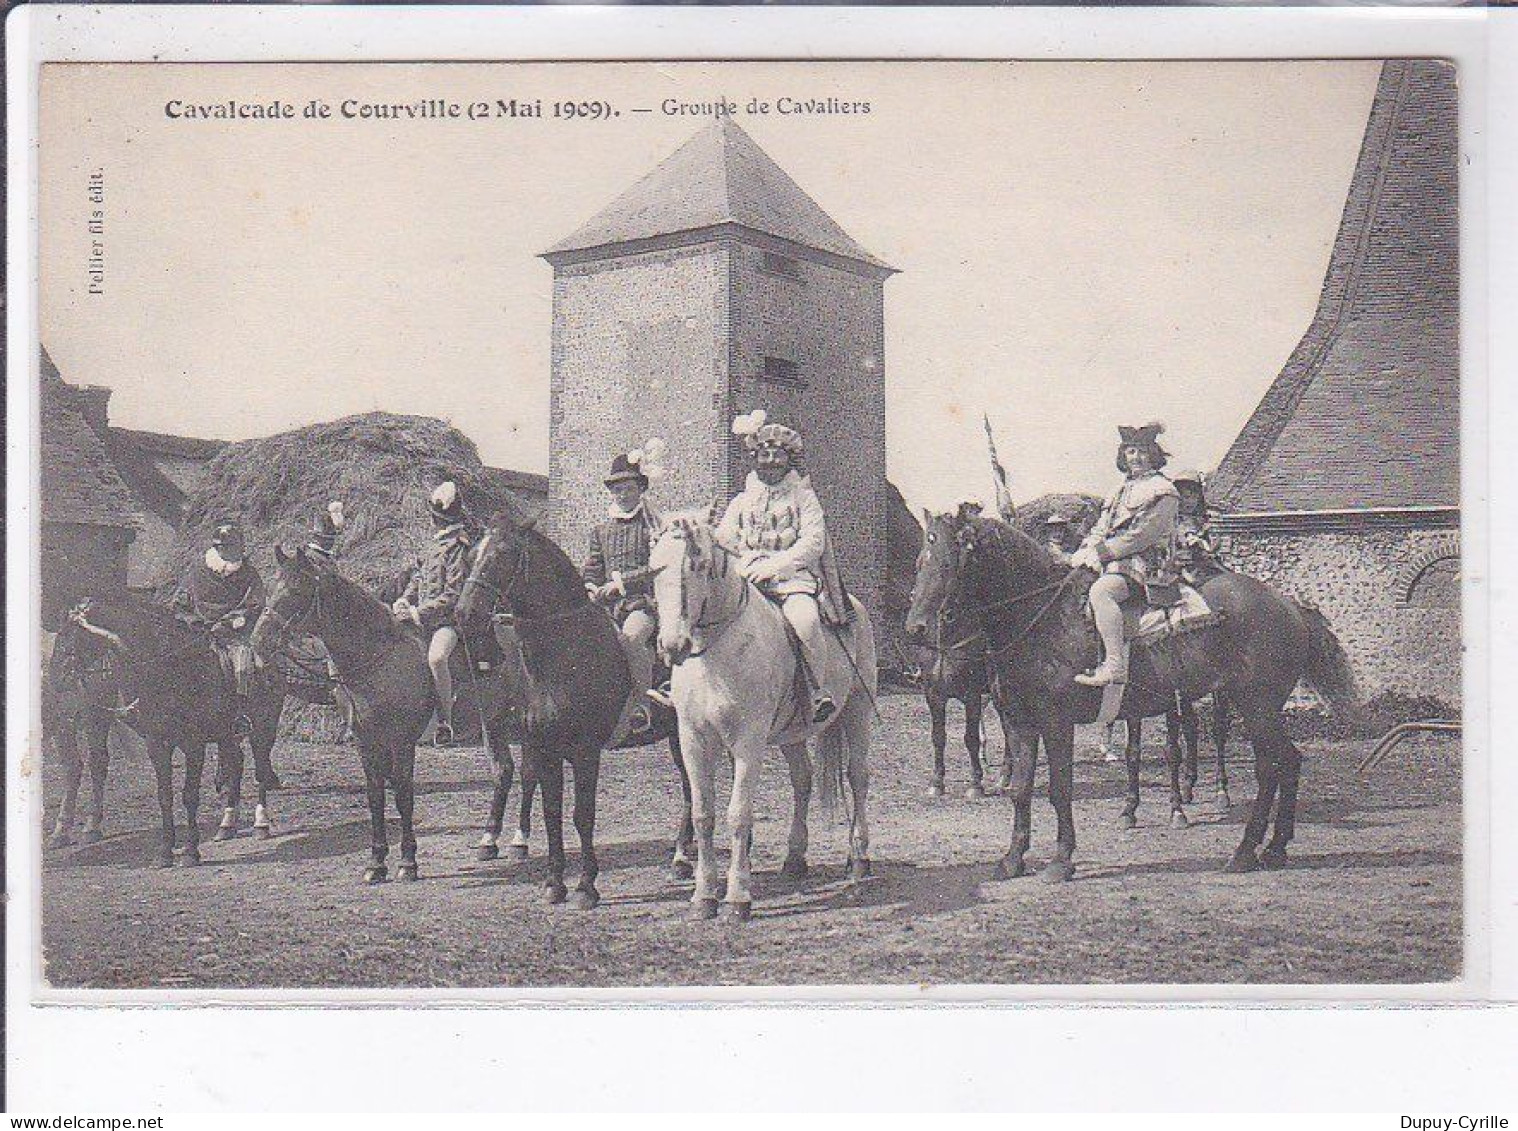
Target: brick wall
x=639 y=350
x=829 y=322
x=1362 y=582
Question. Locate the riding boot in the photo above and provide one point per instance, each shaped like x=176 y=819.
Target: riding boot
x=243 y=726
x=1107 y=611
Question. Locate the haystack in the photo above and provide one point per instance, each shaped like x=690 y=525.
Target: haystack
x=382 y=467
x=1081 y=509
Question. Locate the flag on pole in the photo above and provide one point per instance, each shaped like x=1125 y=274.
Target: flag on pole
x=1004 y=507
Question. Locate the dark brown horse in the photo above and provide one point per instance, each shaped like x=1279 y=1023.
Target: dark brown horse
x=575 y=680
x=1033 y=612
x=173 y=692
x=80 y=700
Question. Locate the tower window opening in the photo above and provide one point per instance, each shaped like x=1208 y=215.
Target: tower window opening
x=782 y=371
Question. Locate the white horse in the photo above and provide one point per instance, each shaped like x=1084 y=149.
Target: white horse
x=734 y=687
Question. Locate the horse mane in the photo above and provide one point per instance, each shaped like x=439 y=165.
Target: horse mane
x=1006 y=553
x=561 y=570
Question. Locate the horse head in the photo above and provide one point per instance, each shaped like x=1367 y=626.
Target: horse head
x=496 y=567
x=938 y=563
x=695 y=580
x=293 y=597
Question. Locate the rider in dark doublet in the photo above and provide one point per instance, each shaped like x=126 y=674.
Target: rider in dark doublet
x=1194 y=553
x=224 y=593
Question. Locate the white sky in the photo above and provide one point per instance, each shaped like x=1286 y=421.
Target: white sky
x=1082 y=245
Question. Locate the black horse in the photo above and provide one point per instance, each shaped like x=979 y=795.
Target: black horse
x=575 y=683
x=1033 y=611
x=173 y=692
x=80 y=700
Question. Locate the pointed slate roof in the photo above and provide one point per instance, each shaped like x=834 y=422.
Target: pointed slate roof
x=80 y=485
x=1366 y=413
x=720 y=176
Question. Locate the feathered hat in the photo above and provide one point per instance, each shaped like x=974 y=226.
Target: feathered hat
x=228 y=536
x=758 y=433
x=445 y=503
x=1188 y=476
x=1145 y=436
x=644 y=464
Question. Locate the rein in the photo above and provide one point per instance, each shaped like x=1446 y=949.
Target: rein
x=720 y=625
x=500 y=595
x=1059 y=588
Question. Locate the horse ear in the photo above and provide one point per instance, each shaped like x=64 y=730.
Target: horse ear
x=279 y=554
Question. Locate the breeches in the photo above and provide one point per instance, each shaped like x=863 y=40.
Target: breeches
x=804 y=616
x=439 y=648
x=639 y=627
x=1108 y=592
x=637 y=634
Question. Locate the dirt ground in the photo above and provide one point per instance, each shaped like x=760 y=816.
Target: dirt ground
x=1373 y=894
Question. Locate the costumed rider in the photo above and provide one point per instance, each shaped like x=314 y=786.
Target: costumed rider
x=224 y=593
x=776 y=525
x=433 y=594
x=1128 y=545
x=322 y=545
x=1194 y=554
x=1060 y=537
x=616 y=572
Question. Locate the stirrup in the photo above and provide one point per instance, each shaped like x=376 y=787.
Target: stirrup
x=1103 y=675
x=641 y=721
x=443 y=735
x=823 y=708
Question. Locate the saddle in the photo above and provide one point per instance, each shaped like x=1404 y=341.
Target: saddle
x=1146 y=622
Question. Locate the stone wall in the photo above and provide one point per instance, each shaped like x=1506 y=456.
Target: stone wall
x=1391 y=595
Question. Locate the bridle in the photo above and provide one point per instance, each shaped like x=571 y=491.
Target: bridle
x=505 y=594
x=693 y=625
x=286 y=623
x=1056 y=588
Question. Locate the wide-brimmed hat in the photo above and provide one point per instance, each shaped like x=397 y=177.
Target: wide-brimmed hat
x=325 y=528
x=445 y=502
x=623 y=470
x=758 y=432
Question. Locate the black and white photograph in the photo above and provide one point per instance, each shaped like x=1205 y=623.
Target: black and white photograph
x=518 y=527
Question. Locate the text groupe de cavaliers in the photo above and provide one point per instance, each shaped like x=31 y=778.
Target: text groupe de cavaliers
x=722 y=108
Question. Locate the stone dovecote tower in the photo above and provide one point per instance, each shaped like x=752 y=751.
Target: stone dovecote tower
x=711 y=287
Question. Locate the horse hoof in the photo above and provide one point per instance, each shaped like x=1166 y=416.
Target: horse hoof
x=262 y=832
x=703 y=909
x=406 y=872
x=859 y=869
x=1057 y=871
x=586 y=899
x=974 y=791
x=1127 y=821
x=738 y=912
x=935 y=791
x=555 y=892
x=225 y=833
x=487 y=852
x=1178 y=820
x=190 y=859
x=60 y=840
x=1243 y=860
x=375 y=874
x=681 y=870
x=794 y=868
x=1274 y=858
x=1009 y=869
x=518 y=852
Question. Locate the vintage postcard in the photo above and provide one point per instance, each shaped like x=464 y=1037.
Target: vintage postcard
x=547 y=526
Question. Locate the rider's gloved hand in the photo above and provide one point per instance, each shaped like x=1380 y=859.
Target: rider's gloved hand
x=1086 y=558
x=759 y=568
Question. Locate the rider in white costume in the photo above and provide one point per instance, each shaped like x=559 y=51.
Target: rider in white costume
x=1128 y=544
x=777 y=526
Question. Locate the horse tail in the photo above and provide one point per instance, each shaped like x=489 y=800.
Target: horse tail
x=1329 y=670
x=829 y=770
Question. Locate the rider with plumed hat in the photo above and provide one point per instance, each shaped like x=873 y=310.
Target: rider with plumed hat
x=325 y=530
x=615 y=570
x=1129 y=543
x=777 y=526
x=433 y=594
x=224 y=592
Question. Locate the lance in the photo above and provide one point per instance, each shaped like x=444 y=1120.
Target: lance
x=1004 y=507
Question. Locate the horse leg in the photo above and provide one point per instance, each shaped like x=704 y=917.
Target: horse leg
x=856 y=729
x=1059 y=745
x=1191 y=739
x=403 y=780
x=975 y=706
x=229 y=767
x=531 y=784
x=379 y=836
x=1173 y=765
x=194 y=766
x=161 y=755
x=68 y=746
x=98 y=748
x=747 y=760
x=489 y=845
x=587 y=772
x=550 y=764
x=800 y=765
x=1133 y=755
x=701 y=768
x=1220 y=721
x=265 y=734
x=1022 y=748
x=1263 y=725
x=680 y=868
x=1289 y=770
x=1008 y=756
x=938 y=708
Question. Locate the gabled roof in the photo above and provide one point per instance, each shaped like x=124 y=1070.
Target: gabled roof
x=719 y=177
x=80 y=485
x=1366 y=412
